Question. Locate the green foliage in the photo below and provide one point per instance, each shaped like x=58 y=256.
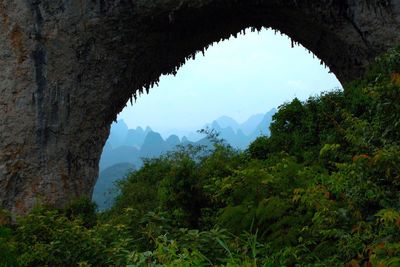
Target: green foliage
x=8 y=256
x=180 y=191
x=260 y=148
x=82 y=209
x=322 y=190
x=48 y=238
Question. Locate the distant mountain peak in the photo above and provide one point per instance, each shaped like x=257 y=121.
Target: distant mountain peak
x=173 y=137
x=215 y=125
x=139 y=129
x=227 y=122
x=153 y=136
x=251 y=123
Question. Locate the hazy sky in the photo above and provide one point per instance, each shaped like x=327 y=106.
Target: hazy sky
x=238 y=77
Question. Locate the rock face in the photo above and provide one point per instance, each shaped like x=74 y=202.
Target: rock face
x=68 y=67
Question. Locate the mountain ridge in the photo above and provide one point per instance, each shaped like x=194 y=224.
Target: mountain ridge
x=130 y=146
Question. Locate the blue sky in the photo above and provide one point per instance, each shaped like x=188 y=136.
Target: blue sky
x=237 y=77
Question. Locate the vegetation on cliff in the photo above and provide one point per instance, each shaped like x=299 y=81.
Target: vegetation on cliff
x=322 y=190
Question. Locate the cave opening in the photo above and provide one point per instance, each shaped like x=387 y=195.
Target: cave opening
x=235 y=87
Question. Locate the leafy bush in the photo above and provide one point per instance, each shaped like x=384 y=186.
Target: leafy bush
x=322 y=190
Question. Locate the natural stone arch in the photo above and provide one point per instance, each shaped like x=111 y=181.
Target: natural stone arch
x=67 y=68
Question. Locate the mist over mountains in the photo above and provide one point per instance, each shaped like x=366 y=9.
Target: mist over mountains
x=125 y=148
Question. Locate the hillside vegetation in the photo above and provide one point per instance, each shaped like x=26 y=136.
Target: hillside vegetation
x=125 y=148
x=322 y=190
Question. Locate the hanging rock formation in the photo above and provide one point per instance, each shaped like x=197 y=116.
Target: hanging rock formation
x=67 y=68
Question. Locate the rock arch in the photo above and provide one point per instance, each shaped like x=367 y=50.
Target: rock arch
x=67 y=68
